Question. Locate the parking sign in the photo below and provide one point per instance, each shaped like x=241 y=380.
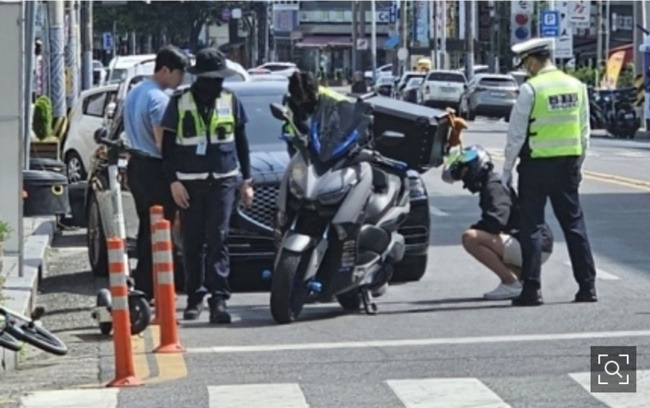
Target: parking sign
x=107 y=41
x=550 y=23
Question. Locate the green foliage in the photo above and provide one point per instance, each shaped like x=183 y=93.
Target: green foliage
x=586 y=75
x=42 y=120
x=626 y=77
x=181 y=21
x=5 y=231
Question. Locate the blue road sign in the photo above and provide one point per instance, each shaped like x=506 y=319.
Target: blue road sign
x=392 y=14
x=550 y=23
x=107 y=40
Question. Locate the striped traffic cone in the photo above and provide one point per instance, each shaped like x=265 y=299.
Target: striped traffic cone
x=155 y=214
x=166 y=303
x=124 y=370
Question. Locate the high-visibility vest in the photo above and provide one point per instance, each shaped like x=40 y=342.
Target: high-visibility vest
x=323 y=92
x=555 y=128
x=205 y=149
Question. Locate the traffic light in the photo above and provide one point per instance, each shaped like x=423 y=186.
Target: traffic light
x=520 y=22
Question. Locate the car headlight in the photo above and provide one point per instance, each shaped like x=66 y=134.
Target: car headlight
x=417 y=191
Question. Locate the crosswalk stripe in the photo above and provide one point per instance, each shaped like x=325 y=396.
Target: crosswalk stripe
x=287 y=395
x=445 y=393
x=638 y=399
x=96 y=398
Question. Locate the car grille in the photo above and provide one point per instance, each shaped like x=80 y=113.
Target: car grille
x=264 y=206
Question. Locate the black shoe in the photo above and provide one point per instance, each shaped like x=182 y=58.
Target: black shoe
x=193 y=310
x=586 y=295
x=529 y=296
x=218 y=311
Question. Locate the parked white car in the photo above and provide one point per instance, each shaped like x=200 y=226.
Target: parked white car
x=280 y=68
x=381 y=71
x=86 y=117
x=442 y=89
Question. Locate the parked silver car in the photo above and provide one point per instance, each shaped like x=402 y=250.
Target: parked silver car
x=491 y=95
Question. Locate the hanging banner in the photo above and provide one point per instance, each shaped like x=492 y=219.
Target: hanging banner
x=421 y=26
x=614 y=65
x=564 y=42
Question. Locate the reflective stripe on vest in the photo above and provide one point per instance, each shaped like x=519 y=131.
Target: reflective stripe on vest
x=202 y=176
x=555 y=128
x=323 y=91
x=222 y=118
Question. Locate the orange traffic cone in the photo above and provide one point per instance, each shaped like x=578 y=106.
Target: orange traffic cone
x=166 y=303
x=124 y=370
x=156 y=214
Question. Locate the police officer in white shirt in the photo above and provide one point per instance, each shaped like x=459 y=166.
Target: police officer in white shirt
x=549 y=133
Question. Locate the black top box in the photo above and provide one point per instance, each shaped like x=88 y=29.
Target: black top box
x=426 y=130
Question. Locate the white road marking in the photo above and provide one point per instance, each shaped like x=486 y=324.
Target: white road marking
x=96 y=398
x=445 y=393
x=418 y=342
x=257 y=395
x=600 y=274
x=638 y=399
x=437 y=211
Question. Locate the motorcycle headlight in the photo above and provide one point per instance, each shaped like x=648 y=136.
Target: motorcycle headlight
x=417 y=189
x=333 y=197
x=295 y=189
x=297 y=179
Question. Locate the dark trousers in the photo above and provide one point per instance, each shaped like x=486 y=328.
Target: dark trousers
x=148 y=186
x=558 y=179
x=205 y=225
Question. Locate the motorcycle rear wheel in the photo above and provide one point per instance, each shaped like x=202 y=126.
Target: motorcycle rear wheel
x=288 y=289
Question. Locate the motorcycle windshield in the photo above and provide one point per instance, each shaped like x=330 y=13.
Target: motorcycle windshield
x=335 y=131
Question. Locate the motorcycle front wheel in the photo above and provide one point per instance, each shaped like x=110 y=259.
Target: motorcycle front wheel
x=288 y=289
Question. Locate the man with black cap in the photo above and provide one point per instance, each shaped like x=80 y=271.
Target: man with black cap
x=204 y=150
x=549 y=132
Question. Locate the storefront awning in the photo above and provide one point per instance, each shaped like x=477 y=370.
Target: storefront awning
x=322 y=41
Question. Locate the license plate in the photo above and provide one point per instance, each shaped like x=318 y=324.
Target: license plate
x=447 y=89
x=629 y=115
x=498 y=94
x=121 y=163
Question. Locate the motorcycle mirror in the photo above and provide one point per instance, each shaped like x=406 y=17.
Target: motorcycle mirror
x=100 y=134
x=279 y=111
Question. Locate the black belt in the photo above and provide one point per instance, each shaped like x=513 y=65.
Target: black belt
x=137 y=154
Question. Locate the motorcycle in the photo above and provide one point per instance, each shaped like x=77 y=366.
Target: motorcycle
x=110 y=171
x=340 y=205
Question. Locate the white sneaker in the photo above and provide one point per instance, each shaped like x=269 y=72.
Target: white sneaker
x=504 y=291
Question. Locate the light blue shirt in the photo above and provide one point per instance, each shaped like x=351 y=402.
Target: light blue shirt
x=144 y=108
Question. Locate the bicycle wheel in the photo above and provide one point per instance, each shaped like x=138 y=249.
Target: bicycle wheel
x=8 y=341
x=38 y=337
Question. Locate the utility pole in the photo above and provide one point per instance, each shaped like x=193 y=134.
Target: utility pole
x=639 y=20
x=57 y=72
x=28 y=74
x=608 y=26
x=469 y=39
x=355 y=27
x=373 y=39
x=443 y=36
x=492 y=59
x=87 y=44
x=599 y=42
x=404 y=36
x=433 y=6
x=71 y=68
x=363 y=58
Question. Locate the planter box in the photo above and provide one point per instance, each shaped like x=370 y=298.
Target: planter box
x=48 y=149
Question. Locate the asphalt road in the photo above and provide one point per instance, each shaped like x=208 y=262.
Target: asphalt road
x=434 y=343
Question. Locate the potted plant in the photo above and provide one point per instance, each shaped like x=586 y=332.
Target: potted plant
x=5 y=231
x=45 y=144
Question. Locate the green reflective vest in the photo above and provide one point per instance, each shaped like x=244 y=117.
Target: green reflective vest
x=555 y=128
x=222 y=124
x=324 y=94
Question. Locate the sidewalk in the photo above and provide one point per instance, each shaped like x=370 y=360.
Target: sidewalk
x=19 y=292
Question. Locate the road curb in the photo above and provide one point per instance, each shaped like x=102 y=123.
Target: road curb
x=20 y=292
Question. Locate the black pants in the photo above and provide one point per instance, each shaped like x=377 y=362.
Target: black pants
x=205 y=225
x=149 y=187
x=557 y=179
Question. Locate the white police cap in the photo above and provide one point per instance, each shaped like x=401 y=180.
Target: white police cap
x=533 y=46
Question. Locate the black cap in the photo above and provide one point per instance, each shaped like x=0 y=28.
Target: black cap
x=211 y=63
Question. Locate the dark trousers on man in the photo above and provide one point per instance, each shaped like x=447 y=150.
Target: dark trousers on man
x=205 y=226
x=558 y=179
x=149 y=187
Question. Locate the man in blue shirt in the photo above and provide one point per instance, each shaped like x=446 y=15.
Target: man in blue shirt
x=144 y=108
